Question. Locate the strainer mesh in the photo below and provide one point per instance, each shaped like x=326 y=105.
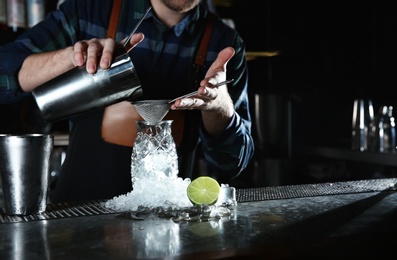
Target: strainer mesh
x=152 y=110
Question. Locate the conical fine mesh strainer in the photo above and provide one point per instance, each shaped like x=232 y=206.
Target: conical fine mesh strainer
x=152 y=110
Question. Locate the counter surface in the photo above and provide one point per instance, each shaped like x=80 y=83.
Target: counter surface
x=361 y=224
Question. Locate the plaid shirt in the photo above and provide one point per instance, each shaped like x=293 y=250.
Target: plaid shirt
x=164 y=63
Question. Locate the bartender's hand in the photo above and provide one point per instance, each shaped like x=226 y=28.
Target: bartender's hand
x=39 y=68
x=88 y=52
x=214 y=102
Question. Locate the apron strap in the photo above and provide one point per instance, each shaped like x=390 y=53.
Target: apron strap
x=114 y=19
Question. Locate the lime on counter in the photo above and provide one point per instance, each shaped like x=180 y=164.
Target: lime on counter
x=203 y=190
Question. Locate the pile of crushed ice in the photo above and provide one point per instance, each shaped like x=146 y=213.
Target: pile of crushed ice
x=169 y=192
x=154 y=173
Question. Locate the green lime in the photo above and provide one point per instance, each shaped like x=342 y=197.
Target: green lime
x=203 y=190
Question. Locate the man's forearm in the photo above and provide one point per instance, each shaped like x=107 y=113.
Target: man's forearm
x=215 y=123
x=40 y=68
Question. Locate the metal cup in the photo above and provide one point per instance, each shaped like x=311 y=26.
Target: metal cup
x=24 y=166
x=77 y=91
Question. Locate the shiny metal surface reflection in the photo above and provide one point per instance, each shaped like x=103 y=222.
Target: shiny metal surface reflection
x=24 y=166
x=76 y=91
x=347 y=225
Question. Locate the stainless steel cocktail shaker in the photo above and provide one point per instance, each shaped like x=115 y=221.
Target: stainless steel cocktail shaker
x=77 y=91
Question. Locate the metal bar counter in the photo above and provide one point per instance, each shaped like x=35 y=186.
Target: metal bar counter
x=345 y=219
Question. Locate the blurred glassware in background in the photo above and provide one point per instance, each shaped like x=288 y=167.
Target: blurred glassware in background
x=384 y=136
x=362 y=124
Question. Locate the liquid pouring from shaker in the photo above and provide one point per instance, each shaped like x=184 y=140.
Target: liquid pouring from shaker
x=136 y=27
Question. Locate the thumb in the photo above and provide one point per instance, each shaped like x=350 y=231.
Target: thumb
x=223 y=58
x=135 y=40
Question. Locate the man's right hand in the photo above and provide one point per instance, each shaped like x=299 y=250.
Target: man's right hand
x=39 y=68
x=87 y=52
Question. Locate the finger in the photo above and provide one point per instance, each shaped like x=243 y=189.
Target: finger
x=93 y=51
x=79 y=53
x=210 y=93
x=107 y=53
x=135 y=40
x=217 y=70
x=188 y=102
x=191 y=103
x=221 y=61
